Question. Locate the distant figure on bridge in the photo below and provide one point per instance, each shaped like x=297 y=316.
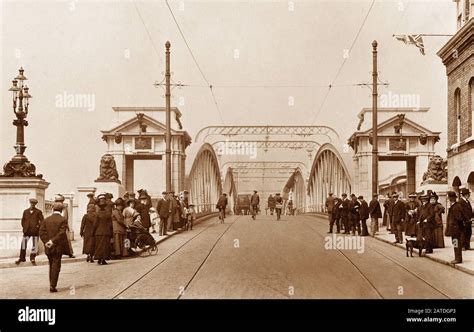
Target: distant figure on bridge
x=329 y=209
x=344 y=213
x=254 y=202
x=271 y=204
x=364 y=215
x=375 y=213
x=278 y=205
x=291 y=210
x=221 y=206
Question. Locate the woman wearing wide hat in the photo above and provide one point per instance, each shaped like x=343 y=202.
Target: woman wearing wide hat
x=103 y=232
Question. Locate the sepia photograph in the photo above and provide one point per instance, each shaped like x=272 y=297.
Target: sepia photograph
x=242 y=150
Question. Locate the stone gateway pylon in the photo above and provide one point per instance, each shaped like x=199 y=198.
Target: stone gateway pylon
x=138 y=135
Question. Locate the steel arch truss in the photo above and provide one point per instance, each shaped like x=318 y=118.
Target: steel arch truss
x=267 y=144
x=205 y=180
x=295 y=187
x=303 y=131
x=328 y=174
x=290 y=165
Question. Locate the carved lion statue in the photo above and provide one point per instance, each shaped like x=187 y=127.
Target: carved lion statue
x=108 y=169
x=437 y=170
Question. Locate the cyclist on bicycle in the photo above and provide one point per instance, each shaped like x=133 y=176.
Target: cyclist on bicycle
x=221 y=206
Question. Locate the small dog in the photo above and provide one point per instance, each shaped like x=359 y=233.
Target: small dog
x=412 y=242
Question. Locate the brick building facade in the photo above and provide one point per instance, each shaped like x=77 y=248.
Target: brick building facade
x=458 y=57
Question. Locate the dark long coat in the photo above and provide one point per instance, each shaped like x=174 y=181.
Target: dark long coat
x=364 y=210
x=411 y=220
x=144 y=210
x=103 y=233
x=455 y=221
x=87 y=232
x=374 y=209
x=398 y=212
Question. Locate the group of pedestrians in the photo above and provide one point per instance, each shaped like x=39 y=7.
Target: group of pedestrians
x=420 y=218
x=350 y=215
x=273 y=201
x=105 y=227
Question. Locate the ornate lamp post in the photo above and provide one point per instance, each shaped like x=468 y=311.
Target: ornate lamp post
x=19 y=166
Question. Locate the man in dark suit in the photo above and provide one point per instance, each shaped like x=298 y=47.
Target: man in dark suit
x=344 y=213
x=398 y=217
x=329 y=208
x=53 y=234
x=335 y=218
x=163 y=209
x=354 y=217
x=455 y=226
x=467 y=215
x=30 y=222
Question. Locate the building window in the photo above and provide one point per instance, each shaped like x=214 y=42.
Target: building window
x=467 y=7
x=457 y=111
x=471 y=103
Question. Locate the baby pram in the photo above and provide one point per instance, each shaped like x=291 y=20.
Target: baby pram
x=141 y=241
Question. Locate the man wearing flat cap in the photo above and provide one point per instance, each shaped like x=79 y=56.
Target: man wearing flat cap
x=455 y=226
x=30 y=223
x=464 y=194
x=53 y=234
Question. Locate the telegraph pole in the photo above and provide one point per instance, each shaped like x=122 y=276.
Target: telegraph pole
x=168 y=118
x=375 y=165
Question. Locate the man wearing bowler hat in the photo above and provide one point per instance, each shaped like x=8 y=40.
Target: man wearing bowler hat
x=30 y=222
x=467 y=215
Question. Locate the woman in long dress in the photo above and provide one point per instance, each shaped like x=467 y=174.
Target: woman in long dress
x=120 y=229
x=87 y=232
x=103 y=232
x=438 y=234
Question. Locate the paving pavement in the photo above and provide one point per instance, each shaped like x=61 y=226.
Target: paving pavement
x=440 y=255
x=41 y=259
x=292 y=258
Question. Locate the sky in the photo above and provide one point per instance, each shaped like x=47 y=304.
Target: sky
x=258 y=55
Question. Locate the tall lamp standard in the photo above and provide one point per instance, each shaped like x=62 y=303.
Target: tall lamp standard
x=19 y=165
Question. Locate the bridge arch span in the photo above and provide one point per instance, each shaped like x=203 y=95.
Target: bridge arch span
x=205 y=184
x=328 y=174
